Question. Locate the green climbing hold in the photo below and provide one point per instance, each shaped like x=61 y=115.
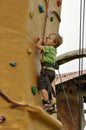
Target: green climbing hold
x=31 y=14
x=51 y=19
x=33 y=88
x=54 y=104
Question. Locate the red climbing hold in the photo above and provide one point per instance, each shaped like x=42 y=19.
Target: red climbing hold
x=59 y=3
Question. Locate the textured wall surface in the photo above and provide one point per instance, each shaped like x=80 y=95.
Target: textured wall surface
x=20 y=25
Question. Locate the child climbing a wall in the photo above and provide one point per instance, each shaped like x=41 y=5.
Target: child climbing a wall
x=47 y=74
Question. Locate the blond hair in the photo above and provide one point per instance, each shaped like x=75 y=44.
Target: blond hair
x=58 y=39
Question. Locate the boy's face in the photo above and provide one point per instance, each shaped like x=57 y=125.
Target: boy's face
x=50 y=40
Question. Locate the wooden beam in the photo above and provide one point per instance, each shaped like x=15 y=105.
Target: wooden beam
x=80 y=81
x=66 y=57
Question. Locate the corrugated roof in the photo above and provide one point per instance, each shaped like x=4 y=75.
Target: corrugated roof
x=68 y=76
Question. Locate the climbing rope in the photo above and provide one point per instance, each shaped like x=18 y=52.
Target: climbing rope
x=48 y=12
x=81 y=45
x=46 y=16
x=66 y=98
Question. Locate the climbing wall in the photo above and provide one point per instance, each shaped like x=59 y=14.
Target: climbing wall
x=13 y=15
x=21 y=22
x=37 y=26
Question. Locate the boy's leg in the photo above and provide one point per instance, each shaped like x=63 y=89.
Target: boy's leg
x=42 y=83
x=48 y=106
x=46 y=102
x=44 y=94
x=44 y=87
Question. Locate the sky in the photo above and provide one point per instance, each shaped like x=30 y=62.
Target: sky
x=69 y=30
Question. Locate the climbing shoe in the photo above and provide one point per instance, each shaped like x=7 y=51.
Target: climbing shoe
x=46 y=103
x=49 y=107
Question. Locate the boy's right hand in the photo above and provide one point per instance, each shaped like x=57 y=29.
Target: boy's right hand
x=40 y=40
x=39 y=44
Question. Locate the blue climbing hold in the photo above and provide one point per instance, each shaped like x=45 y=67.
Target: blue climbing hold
x=41 y=9
x=13 y=64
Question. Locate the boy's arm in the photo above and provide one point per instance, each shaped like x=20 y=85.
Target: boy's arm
x=39 y=44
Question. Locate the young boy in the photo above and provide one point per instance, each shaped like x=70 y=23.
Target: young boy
x=47 y=74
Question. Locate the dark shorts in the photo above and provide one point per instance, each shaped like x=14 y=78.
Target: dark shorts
x=45 y=79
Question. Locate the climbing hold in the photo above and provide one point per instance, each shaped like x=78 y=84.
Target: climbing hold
x=54 y=104
x=51 y=19
x=59 y=3
x=31 y=14
x=49 y=13
x=33 y=88
x=41 y=9
x=29 y=51
x=13 y=63
x=2 y=119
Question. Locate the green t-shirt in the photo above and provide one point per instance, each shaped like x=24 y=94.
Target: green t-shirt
x=49 y=54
